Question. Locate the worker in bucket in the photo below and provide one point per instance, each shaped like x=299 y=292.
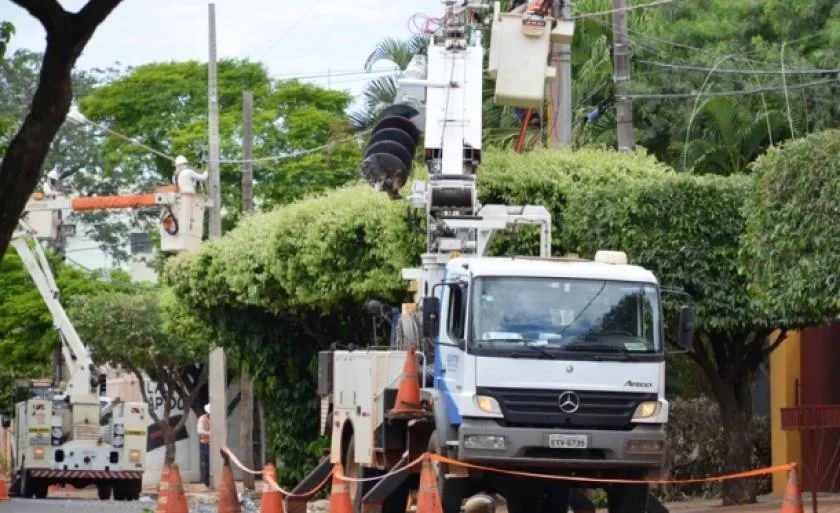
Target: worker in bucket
x=204 y=445
x=52 y=186
x=186 y=177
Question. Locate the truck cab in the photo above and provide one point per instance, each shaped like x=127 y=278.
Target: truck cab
x=551 y=363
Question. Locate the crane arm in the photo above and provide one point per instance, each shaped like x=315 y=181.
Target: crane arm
x=76 y=354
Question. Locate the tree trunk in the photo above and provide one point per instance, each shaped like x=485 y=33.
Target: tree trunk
x=169 y=442
x=246 y=426
x=735 y=401
x=24 y=158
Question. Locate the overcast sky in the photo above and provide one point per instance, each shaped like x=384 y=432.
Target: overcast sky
x=291 y=38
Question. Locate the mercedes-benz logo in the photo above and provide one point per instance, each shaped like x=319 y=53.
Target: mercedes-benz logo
x=569 y=402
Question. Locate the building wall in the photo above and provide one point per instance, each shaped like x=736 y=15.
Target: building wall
x=802 y=374
x=784 y=373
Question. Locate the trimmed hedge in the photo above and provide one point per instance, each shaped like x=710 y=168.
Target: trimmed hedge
x=685 y=228
x=346 y=245
x=790 y=248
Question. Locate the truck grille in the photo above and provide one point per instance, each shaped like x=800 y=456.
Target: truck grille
x=541 y=408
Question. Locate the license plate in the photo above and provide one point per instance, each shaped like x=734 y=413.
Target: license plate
x=568 y=441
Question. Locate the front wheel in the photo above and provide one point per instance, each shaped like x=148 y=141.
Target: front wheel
x=627 y=498
x=103 y=491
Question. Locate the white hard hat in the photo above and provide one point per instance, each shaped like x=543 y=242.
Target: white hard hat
x=207 y=408
x=180 y=160
x=53 y=175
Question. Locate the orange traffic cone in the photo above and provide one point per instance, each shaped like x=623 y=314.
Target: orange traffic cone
x=428 y=497
x=176 y=500
x=271 y=500
x=228 y=501
x=340 y=494
x=163 y=490
x=792 y=500
x=408 y=395
x=4 y=489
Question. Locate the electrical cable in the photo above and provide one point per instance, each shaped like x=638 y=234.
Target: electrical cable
x=787 y=71
x=587 y=15
x=745 y=92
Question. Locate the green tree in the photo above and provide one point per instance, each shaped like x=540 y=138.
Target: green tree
x=164 y=105
x=128 y=329
x=67 y=35
x=7 y=30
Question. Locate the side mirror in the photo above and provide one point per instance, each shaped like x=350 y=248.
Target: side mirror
x=6 y=421
x=686 y=335
x=431 y=316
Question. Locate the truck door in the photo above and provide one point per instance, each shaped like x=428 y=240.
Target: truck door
x=449 y=350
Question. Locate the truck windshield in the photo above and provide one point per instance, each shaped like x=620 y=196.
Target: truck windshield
x=564 y=314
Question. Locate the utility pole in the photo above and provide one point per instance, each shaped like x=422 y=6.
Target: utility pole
x=561 y=87
x=246 y=391
x=247 y=149
x=217 y=379
x=621 y=76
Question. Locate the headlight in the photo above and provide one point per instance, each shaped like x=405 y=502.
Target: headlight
x=134 y=456
x=646 y=410
x=487 y=404
x=38 y=452
x=492 y=442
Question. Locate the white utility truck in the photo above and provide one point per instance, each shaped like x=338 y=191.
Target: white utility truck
x=70 y=435
x=59 y=436
x=540 y=364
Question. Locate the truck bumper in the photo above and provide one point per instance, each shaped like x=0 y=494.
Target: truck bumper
x=642 y=448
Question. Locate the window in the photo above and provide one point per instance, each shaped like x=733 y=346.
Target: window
x=140 y=243
x=456 y=318
x=565 y=314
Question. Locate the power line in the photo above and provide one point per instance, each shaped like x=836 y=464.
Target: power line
x=787 y=71
x=86 y=121
x=744 y=92
x=294 y=154
x=297 y=22
x=623 y=9
x=736 y=55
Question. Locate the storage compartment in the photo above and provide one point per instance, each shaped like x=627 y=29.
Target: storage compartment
x=325 y=373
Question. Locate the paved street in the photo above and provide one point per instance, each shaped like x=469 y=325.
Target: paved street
x=64 y=505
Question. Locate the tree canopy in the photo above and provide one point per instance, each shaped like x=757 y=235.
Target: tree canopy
x=129 y=330
x=164 y=106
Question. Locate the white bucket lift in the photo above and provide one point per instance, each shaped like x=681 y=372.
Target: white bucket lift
x=519 y=50
x=181 y=221
x=181 y=225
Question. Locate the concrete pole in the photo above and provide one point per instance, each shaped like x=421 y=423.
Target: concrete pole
x=561 y=87
x=218 y=365
x=621 y=63
x=247 y=151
